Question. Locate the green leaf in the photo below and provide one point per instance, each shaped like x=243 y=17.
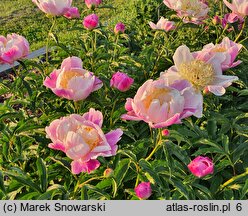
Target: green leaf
x=128 y=153
x=42 y=172
x=121 y=170
x=98 y=191
x=2 y=187
x=146 y=166
x=23 y=180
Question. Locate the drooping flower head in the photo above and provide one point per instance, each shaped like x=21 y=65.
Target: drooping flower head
x=53 y=7
x=164 y=102
x=238 y=7
x=201 y=166
x=199 y=72
x=71 y=81
x=143 y=190
x=163 y=24
x=82 y=139
x=193 y=11
x=12 y=48
x=121 y=81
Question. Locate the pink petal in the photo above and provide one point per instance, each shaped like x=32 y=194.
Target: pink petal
x=71 y=62
x=182 y=55
x=94 y=116
x=78 y=166
x=173 y=120
x=112 y=138
x=51 y=80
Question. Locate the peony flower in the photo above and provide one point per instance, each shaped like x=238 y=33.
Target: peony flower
x=163 y=24
x=53 y=7
x=227 y=48
x=201 y=166
x=193 y=11
x=71 y=81
x=82 y=139
x=91 y=21
x=164 y=102
x=199 y=70
x=238 y=7
x=143 y=190
x=12 y=48
x=92 y=3
x=72 y=13
x=119 y=28
x=121 y=81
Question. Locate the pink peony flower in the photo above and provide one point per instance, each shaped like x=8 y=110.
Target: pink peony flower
x=199 y=70
x=143 y=190
x=164 y=102
x=121 y=81
x=192 y=11
x=227 y=48
x=12 y=48
x=92 y=3
x=91 y=21
x=71 y=81
x=201 y=166
x=163 y=24
x=83 y=140
x=72 y=13
x=53 y=7
x=119 y=28
x=238 y=7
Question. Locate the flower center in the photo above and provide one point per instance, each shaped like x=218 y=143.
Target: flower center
x=160 y=94
x=66 y=76
x=89 y=135
x=219 y=49
x=198 y=73
x=191 y=5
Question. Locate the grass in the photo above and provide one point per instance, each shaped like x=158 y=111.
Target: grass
x=24 y=17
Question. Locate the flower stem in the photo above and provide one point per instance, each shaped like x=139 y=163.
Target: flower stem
x=48 y=40
x=241 y=32
x=157 y=145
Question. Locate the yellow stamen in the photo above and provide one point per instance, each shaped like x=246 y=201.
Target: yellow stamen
x=198 y=73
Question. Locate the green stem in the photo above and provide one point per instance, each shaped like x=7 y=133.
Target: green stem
x=234 y=178
x=89 y=180
x=241 y=32
x=157 y=145
x=48 y=40
x=76 y=107
x=116 y=44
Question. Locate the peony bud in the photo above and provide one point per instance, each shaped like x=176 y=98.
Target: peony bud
x=143 y=190
x=108 y=172
x=91 y=4
x=201 y=166
x=165 y=132
x=91 y=21
x=119 y=28
x=121 y=81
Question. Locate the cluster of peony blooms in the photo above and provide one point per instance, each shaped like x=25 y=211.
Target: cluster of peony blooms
x=177 y=94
